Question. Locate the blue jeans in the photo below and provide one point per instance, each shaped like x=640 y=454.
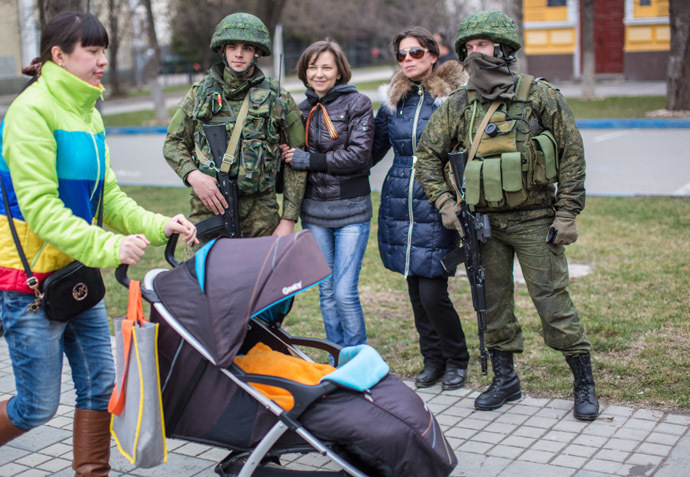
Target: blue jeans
x=341 y=309
x=36 y=346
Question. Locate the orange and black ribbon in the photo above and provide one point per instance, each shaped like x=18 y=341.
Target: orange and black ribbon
x=329 y=124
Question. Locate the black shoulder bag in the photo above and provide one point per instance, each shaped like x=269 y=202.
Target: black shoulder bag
x=67 y=292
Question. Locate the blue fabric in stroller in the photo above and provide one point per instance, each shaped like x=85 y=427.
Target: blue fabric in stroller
x=235 y=293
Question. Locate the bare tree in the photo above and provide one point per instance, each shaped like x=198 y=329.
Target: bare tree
x=47 y=9
x=153 y=65
x=588 y=49
x=116 y=11
x=678 y=82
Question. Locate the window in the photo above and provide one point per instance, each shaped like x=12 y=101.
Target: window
x=556 y=3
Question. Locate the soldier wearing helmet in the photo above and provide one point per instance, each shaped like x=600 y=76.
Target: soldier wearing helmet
x=525 y=169
x=202 y=127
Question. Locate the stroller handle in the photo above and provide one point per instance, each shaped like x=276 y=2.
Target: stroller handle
x=170 y=250
x=121 y=275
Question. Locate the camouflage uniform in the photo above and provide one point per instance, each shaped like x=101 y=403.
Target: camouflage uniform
x=518 y=230
x=273 y=118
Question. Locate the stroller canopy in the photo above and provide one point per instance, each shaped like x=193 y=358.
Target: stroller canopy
x=213 y=295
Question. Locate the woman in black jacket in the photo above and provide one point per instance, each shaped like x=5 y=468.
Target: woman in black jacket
x=412 y=239
x=337 y=202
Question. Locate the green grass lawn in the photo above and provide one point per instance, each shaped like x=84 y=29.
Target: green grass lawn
x=634 y=305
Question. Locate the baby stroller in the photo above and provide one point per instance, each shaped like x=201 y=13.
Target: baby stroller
x=234 y=294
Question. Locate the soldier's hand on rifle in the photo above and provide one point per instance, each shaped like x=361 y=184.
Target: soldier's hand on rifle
x=449 y=209
x=206 y=188
x=563 y=230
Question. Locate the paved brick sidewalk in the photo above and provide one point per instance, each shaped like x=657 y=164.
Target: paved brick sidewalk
x=532 y=438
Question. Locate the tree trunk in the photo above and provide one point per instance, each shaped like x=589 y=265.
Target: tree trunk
x=678 y=82
x=588 y=54
x=269 y=11
x=114 y=11
x=514 y=11
x=47 y=9
x=153 y=66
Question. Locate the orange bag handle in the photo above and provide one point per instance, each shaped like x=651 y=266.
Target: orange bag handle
x=135 y=314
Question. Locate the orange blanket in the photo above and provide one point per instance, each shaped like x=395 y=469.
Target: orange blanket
x=263 y=360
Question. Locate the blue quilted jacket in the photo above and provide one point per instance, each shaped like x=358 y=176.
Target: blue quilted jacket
x=411 y=236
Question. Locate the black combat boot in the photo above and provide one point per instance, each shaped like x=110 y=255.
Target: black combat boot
x=454 y=377
x=586 y=403
x=505 y=385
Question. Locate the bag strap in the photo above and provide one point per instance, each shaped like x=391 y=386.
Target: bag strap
x=480 y=131
x=229 y=156
x=135 y=315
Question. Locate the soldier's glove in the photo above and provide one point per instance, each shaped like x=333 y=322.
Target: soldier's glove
x=300 y=160
x=448 y=208
x=563 y=230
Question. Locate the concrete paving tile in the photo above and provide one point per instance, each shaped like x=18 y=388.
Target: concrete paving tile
x=33 y=473
x=544 y=422
x=524 y=410
x=639 y=458
x=508 y=452
x=10 y=454
x=677 y=419
x=500 y=428
x=548 y=446
x=620 y=411
x=541 y=457
x=445 y=400
x=589 y=473
x=532 y=469
x=634 y=434
x=486 y=415
x=654 y=449
x=474 y=464
x=455 y=442
x=41 y=437
x=445 y=420
x=660 y=438
x=561 y=404
x=648 y=414
x=12 y=469
x=551 y=413
x=215 y=454
x=436 y=408
x=570 y=426
x=671 y=429
x=471 y=423
x=624 y=445
x=192 y=449
x=559 y=436
x=56 y=465
x=460 y=432
x=613 y=455
x=475 y=447
x=597 y=428
x=61 y=422
x=510 y=418
x=579 y=450
x=572 y=461
x=458 y=411
x=528 y=431
x=32 y=460
x=490 y=437
x=595 y=441
x=639 y=424
x=535 y=402
x=605 y=466
x=518 y=441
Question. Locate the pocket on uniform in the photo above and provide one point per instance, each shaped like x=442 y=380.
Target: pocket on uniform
x=248 y=177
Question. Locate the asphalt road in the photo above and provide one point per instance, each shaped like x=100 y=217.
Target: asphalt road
x=621 y=162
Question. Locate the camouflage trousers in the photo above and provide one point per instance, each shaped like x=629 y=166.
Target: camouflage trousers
x=545 y=269
x=259 y=217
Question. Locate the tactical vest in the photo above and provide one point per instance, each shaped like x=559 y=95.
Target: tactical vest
x=512 y=158
x=256 y=163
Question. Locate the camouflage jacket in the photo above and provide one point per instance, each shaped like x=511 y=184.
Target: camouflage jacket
x=273 y=119
x=447 y=130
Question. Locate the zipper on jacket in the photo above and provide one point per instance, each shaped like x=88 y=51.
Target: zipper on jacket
x=98 y=169
x=410 y=186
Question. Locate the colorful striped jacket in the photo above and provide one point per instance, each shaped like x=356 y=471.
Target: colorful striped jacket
x=54 y=163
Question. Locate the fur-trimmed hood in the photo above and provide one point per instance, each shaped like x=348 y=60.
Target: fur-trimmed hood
x=445 y=79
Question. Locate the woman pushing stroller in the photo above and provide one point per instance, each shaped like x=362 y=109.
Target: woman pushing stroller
x=55 y=168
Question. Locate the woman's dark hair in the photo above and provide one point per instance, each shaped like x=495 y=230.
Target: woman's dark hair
x=312 y=53
x=423 y=36
x=66 y=29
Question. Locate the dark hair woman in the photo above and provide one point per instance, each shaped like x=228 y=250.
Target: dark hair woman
x=337 y=202
x=55 y=169
x=412 y=239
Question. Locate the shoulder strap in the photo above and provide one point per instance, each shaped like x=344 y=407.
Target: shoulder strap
x=478 y=136
x=524 y=84
x=229 y=156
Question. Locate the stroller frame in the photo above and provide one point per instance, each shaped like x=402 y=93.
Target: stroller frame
x=303 y=394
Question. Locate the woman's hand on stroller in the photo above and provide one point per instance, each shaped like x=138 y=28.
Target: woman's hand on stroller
x=132 y=248
x=181 y=225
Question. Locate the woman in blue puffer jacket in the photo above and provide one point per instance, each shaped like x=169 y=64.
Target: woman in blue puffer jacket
x=411 y=236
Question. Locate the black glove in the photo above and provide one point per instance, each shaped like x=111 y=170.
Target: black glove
x=300 y=160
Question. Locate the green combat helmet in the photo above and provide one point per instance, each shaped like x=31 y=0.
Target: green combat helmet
x=243 y=28
x=495 y=26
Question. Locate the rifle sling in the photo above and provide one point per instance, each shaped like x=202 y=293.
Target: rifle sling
x=229 y=156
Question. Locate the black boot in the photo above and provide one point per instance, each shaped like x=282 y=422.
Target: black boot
x=454 y=377
x=428 y=377
x=505 y=385
x=586 y=403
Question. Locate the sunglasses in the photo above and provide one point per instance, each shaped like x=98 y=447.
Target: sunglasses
x=415 y=52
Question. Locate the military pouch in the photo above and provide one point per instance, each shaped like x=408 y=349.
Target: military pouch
x=542 y=160
x=503 y=139
x=493 y=189
x=473 y=174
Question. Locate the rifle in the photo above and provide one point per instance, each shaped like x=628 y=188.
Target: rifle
x=229 y=221
x=476 y=228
